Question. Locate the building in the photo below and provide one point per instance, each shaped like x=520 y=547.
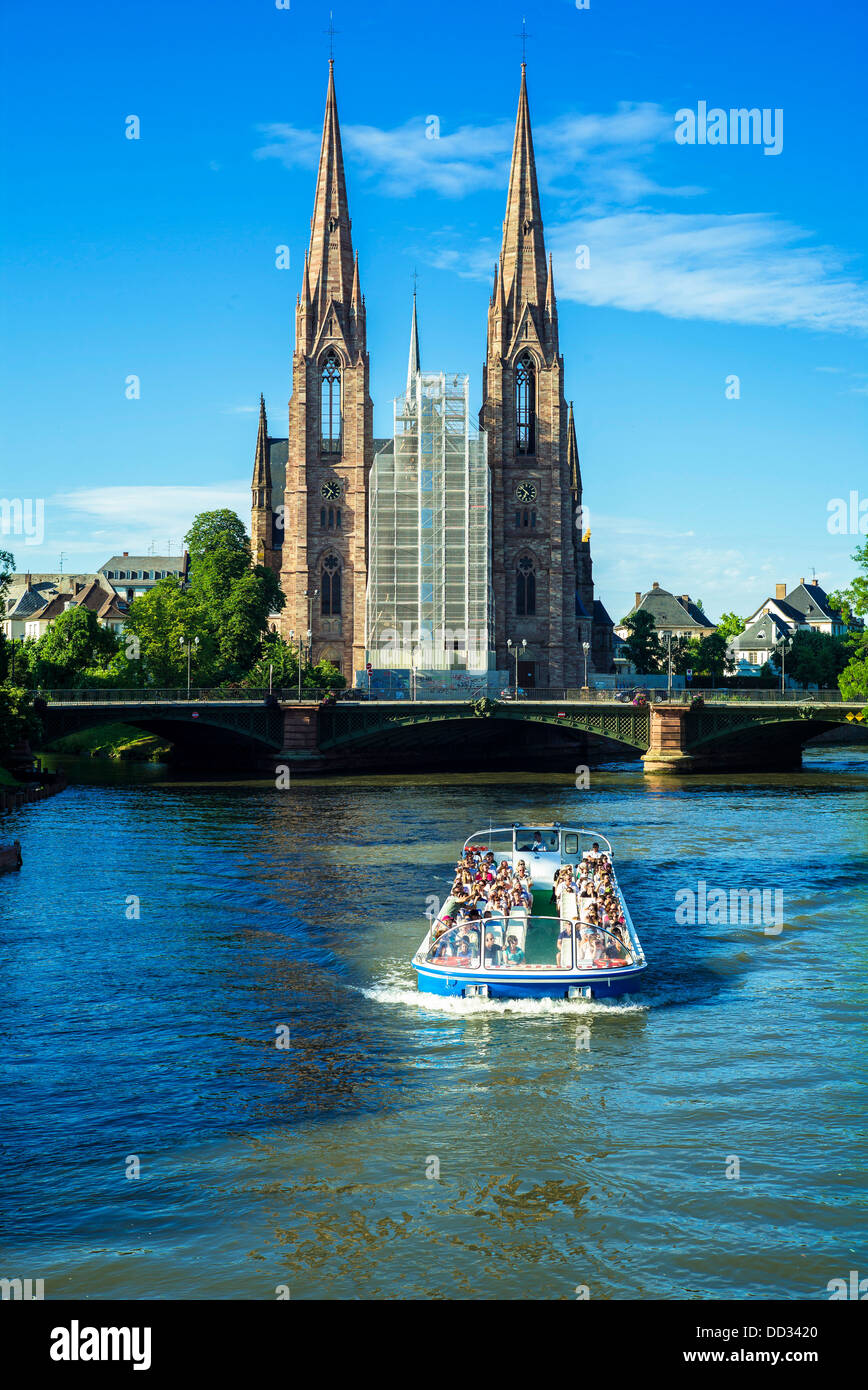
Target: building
x=429 y=539
x=777 y=619
x=673 y=614
x=541 y=572
x=131 y=576
x=110 y=611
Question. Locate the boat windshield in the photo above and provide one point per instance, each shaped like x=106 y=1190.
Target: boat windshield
x=535 y=943
x=528 y=839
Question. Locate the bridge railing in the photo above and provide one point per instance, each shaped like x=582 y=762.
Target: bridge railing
x=148 y=695
x=573 y=695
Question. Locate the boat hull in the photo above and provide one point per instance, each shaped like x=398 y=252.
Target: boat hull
x=603 y=984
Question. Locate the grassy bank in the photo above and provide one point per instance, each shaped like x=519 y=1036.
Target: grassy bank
x=122 y=741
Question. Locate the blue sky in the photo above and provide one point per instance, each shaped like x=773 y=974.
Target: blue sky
x=156 y=257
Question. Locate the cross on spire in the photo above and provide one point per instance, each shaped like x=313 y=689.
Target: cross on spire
x=524 y=36
x=331 y=31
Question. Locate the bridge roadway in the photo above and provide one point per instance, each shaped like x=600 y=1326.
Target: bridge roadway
x=721 y=731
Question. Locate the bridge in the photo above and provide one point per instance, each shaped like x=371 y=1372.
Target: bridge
x=710 y=731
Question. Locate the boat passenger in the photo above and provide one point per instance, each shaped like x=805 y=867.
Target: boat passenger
x=492 y=950
x=514 y=953
x=565 y=936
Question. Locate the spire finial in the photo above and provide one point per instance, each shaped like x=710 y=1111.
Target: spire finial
x=331 y=31
x=524 y=36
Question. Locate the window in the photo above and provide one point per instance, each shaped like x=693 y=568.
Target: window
x=525 y=588
x=338 y=519
x=330 y=587
x=525 y=405
x=331 y=518
x=526 y=518
x=322 y=517
x=330 y=405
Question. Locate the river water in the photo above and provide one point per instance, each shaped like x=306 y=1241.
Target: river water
x=704 y=1138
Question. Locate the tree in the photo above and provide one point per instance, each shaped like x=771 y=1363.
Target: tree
x=18 y=719
x=7 y=569
x=814 y=658
x=853 y=680
x=234 y=597
x=731 y=625
x=73 y=645
x=642 y=647
x=151 y=646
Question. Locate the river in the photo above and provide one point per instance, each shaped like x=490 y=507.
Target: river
x=704 y=1138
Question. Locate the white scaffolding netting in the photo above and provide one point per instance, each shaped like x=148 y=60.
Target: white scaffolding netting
x=429 y=590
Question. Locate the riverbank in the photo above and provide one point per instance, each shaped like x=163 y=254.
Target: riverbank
x=123 y=742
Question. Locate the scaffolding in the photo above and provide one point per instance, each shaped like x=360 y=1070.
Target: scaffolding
x=429 y=600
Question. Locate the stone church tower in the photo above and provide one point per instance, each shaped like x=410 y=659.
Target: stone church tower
x=543 y=587
x=321 y=553
x=310 y=492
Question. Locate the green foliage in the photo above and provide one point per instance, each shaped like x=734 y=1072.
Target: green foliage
x=153 y=649
x=282 y=657
x=326 y=676
x=73 y=645
x=7 y=569
x=814 y=658
x=731 y=625
x=18 y=719
x=853 y=601
x=643 y=647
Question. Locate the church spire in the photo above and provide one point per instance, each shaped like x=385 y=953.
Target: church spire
x=331 y=248
x=523 y=258
x=415 y=364
x=573 y=464
x=262 y=463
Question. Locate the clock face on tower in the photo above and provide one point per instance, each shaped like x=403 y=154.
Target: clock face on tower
x=331 y=492
x=526 y=492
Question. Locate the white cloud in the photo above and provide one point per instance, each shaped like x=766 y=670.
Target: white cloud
x=747 y=268
x=404 y=161
x=139 y=515
x=743 y=268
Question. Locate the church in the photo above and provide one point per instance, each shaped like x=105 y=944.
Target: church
x=312 y=499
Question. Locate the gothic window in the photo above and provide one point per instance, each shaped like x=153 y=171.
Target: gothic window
x=331 y=518
x=338 y=519
x=322 y=517
x=330 y=405
x=330 y=587
x=525 y=405
x=525 y=588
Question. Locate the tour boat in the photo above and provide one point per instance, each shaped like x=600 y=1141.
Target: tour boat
x=542 y=952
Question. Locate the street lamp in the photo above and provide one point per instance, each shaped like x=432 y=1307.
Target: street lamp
x=413 y=669
x=298 y=658
x=189 y=644
x=586 y=647
x=523 y=649
x=784 y=647
x=310 y=595
x=669 y=665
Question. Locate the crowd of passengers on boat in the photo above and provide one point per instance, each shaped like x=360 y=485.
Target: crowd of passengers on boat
x=493 y=901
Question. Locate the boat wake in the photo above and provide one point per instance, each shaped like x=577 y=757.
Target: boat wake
x=393 y=990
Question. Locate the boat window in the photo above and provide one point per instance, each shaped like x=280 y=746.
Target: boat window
x=459 y=946
x=528 y=839
x=598 y=949
x=571 y=845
